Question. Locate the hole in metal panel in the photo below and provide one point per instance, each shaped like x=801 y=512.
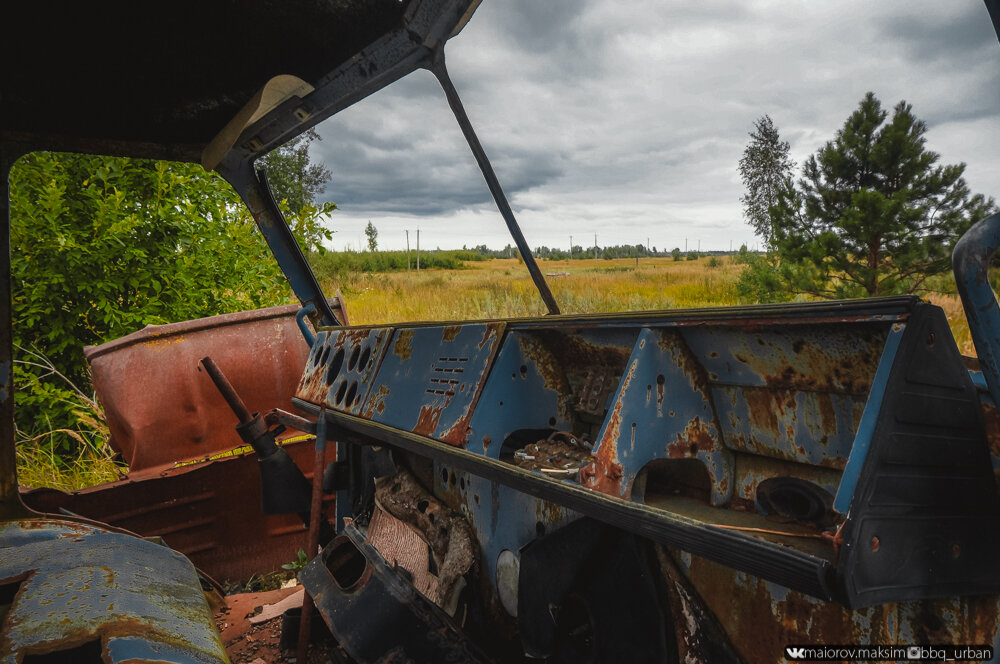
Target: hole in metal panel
x=365 y=356
x=347 y=565
x=340 y=392
x=353 y=362
x=88 y=653
x=334 y=369
x=8 y=591
x=351 y=392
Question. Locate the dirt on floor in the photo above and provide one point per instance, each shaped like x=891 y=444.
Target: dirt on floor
x=251 y=629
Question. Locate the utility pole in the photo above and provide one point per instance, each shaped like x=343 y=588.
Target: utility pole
x=685 y=245
x=699 y=246
x=418 y=248
x=570 y=246
x=407 y=250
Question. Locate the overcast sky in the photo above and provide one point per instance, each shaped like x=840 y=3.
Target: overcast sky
x=628 y=119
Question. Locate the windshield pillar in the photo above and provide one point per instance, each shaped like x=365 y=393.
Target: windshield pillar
x=439 y=70
x=252 y=187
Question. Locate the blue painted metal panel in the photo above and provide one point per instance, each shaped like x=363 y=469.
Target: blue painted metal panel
x=869 y=419
x=431 y=380
x=513 y=399
x=503 y=518
x=663 y=410
x=807 y=427
x=971 y=264
x=341 y=365
x=82 y=583
x=834 y=357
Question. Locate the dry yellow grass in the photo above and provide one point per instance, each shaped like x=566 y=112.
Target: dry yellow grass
x=502 y=288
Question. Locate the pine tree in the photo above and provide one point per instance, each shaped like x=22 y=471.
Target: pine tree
x=874 y=213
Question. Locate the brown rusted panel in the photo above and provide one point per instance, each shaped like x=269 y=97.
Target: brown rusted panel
x=761 y=618
x=574 y=367
x=161 y=409
x=211 y=512
x=605 y=473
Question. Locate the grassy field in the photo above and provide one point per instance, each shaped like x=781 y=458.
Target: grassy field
x=500 y=288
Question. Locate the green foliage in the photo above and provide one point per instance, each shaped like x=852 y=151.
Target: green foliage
x=714 y=262
x=873 y=214
x=372 y=234
x=676 y=253
x=296 y=183
x=102 y=247
x=761 y=280
x=301 y=560
x=766 y=169
x=292 y=175
x=67 y=458
x=692 y=256
x=336 y=266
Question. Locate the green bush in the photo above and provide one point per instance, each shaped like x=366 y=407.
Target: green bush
x=101 y=247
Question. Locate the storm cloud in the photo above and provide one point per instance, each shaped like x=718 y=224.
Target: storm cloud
x=628 y=119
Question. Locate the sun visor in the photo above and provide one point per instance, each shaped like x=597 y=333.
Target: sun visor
x=275 y=92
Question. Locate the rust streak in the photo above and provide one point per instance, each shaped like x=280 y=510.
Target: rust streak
x=375 y=402
x=605 y=473
x=428 y=420
x=403 y=347
x=697 y=437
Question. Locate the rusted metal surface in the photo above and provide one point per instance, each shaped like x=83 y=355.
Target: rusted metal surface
x=341 y=367
x=560 y=455
x=583 y=369
x=81 y=584
x=991 y=419
x=161 y=409
x=642 y=428
x=807 y=427
x=791 y=392
x=431 y=380
x=446 y=533
x=545 y=379
x=832 y=358
x=605 y=473
x=760 y=618
x=375 y=612
x=698 y=635
x=210 y=512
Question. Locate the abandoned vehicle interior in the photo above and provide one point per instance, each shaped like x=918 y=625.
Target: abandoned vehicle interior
x=698 y=485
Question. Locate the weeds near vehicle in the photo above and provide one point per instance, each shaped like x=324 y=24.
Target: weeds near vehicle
x=39 y=463
x=300 y=561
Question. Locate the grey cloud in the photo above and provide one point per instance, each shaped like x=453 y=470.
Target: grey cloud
x=952 y=38
x=622 y=116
